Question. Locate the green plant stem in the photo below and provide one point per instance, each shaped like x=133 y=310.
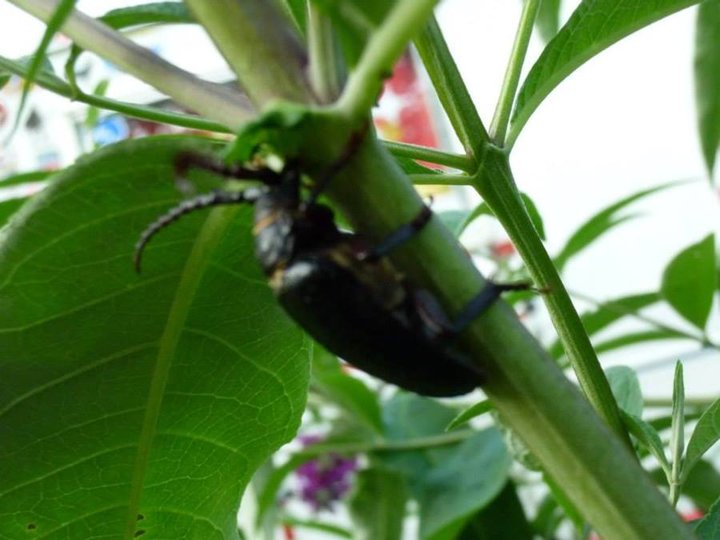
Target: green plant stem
x=527 y=388
x=260 y=45
x=440 y=179
x=692 y=402
x=385 y=46
x=501 y=118
x=216 y=102
x=418 y=443
x=324 y=62
x=60 y=87
x=495 y=184
x=451 y=90
x=431 y=155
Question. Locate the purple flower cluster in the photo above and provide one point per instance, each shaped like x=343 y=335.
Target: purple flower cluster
x=325 y=479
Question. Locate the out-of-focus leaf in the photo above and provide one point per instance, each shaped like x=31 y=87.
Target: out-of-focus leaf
x=707 y=79
x=483 y=209
x=377 y=504
x=625 y=387
x=317 y=525
x=600 y=224
x=690 y=280
x=10 y=207
x=503 y=519
x=25 y=178
x=702 y=484
x=468 y=414
x=704 y=436
x=4 y=78
x=93 y=113
x=635 y=338
x=608 y=313
x=593 y=27
x=548 y=19
x=548 y=518
x=121 y=394
x=648 y=437
x=709 y=527
x=454 y=220
x=352 y=395
x=410 y=166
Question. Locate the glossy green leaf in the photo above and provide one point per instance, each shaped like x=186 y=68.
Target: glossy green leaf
x=608 y=313
x=690 y=280
x=647 y=437
x=593 y=27
x=600 y=224
x=377 y=504
x=625 y=386
x=548 y=19
x=471 y=412
x=707 y=79
x=704 y=436
x=709 y=527
x=503 y=519
x=136 y=403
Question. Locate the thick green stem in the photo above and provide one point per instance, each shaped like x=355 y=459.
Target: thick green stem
x=213 y=101
x=527 y=388
x=385 y=46
x=260 y=45
x=495 y=184
x=501 y=119
x=451 y=90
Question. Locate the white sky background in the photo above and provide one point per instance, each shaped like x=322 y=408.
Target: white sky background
x=623 y=122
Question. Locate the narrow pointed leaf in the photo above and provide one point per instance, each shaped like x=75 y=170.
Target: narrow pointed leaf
x=704 y=436
x=468 y=414
x=677 y=435
x=707 y=79
x=133 y=405
x=690 y=280
x=600 y=224
x=648 y=437
x=593 y=27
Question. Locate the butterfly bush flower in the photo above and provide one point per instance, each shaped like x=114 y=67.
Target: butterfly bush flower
x=325 y=479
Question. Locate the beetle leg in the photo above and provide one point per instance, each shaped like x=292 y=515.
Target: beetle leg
x=207 y=200
x=399 y=236
x=482 y=301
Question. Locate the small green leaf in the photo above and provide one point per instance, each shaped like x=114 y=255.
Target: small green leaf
x=93 y=113
x=468 y=414
x=704 y=436
x=352 y=395
x=593 y=27
x=707 y=79
x=608 y=313
x=690 y=280
x=601 y=223
x=377 y=504
x=625 y=386
x=548 y=19
x=709 y=527
x=677 y=436
x=647 y=437
x=454 y=220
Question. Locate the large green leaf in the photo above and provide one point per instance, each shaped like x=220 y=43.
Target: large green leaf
x=690 y=280
x=709 y=527
x=131 y=403
x=593 y=27
x=377 y=504
x=707 y=79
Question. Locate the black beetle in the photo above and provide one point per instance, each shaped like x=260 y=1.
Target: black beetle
x=345 y=293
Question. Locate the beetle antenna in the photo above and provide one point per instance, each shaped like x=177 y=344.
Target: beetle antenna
x=207 y=200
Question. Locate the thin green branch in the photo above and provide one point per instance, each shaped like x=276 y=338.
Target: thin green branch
x=214 y=101
x=418 y=443
x=325 y=63
x=431 y=155
x=440 y=179
x=501 y=118
x=451 y=90
x=385 y=46
x=60 y=87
